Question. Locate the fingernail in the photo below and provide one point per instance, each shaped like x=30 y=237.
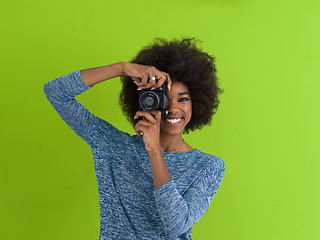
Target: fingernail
x=139 y=89
x=169 y=87
x=153 y=88
x=135 y=117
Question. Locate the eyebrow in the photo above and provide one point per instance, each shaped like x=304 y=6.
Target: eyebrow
x=183 y=93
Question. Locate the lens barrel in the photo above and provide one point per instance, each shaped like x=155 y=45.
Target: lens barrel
x=149 y=101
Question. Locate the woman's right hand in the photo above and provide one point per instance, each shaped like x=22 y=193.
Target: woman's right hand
x=142 y=74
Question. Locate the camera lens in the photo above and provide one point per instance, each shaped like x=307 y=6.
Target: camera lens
x=149 y=101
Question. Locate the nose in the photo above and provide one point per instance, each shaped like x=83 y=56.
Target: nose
x=172 y=107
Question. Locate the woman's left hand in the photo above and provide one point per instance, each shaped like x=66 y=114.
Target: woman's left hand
x=150 y=126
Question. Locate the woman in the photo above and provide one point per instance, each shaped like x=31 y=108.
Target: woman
x=152 y=185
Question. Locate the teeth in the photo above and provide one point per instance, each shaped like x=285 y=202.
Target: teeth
x=176 y=120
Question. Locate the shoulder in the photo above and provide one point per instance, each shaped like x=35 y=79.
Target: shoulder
x=214 y=165
x=211 y=159
x=210 y=178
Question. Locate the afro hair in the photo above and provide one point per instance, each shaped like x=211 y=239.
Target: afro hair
x=185 y=63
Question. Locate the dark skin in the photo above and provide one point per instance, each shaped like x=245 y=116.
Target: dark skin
x=166 y=133
x=160 y=135
x=150 y=126
x=141 y=74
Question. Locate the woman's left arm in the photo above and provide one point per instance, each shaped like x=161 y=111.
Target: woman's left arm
x=180 y=212
x=150 y=126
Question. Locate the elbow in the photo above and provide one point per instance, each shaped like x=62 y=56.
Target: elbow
x=174 y=233
x=50 y=92
x=177 y=227
x=45 y=86
x=46 y=89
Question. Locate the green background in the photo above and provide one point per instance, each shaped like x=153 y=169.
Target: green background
x=266 y=128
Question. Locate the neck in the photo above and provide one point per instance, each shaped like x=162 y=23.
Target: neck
x=170 y=143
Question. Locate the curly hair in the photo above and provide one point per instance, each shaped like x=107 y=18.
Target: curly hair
x=185 y=63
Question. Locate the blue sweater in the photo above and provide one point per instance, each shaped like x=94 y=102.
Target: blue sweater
x=130 y=207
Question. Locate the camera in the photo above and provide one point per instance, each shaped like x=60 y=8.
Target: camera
x=154 y=99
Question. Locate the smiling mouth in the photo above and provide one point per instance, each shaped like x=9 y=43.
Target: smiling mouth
x=173 y=120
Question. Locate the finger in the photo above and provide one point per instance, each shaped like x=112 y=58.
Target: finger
x=143 y=123
x=162 y=80
x=137 y=131
x=147 y=115
x=136 y=80
x=144 y=80
x=152 y=81
x=151 y=116
x=169 y=82
x=140 y=127
x=154 y=77
x=156 y=114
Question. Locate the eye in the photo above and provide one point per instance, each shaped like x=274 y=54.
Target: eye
x=183 y=99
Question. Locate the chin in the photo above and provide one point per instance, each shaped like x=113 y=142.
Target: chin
x=172 y=133
x=172 y=129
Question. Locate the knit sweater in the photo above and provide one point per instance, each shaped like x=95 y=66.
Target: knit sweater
x=130 y=207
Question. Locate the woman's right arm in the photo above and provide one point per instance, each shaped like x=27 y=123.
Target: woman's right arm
x=92 y=76
x=61 y=92
x=139 y=73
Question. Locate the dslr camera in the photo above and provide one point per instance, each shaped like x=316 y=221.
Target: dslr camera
x=155 y=99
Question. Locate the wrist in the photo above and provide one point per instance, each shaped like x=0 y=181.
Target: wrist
x=122 y=66
x=154 y=151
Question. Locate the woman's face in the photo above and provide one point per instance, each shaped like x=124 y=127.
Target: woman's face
x=179 y=110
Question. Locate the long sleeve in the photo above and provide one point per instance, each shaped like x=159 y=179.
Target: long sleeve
x=61 y=93
x=178 y=213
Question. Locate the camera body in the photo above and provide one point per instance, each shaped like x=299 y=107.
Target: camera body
x=154 y=99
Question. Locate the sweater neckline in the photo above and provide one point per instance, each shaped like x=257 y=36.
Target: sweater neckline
x=171 y=153
x=193 y=151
